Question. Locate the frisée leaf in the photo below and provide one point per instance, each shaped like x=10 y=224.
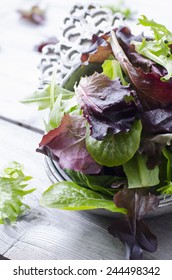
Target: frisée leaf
x=159 y=48
x=12 y=190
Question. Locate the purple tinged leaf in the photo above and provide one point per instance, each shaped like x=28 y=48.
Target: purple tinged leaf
x=49 y=41
x=35 y=15
x=157 y=121
x=66 y=144
x=107 y=105
x=99 y=50
x=144 y=74
x=136 y=203
x=147 y=240
x=130 y=228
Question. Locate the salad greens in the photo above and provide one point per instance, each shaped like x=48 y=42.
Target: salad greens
x=139 y=175
x=100 y=183
x=116 y=149
x=12 y=188
x=60 y=101
x=159 y=49
x=61 y=195
x=167 y=189
x=112 y=69
x=131 y=229
x=112 y=133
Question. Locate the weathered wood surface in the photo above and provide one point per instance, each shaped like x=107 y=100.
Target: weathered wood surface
x=47 y=233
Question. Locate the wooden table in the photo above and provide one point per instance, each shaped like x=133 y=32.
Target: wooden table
x=47 y=233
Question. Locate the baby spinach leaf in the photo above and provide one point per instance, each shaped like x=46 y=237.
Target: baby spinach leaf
x=116 y=149
x=71 y=196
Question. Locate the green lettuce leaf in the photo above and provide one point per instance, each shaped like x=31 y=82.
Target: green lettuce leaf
x=112 y=69
x=71 y=196
x=12 y=190
x=100 y=183
x=167 y=189
x=138 y=174
x=117 y=149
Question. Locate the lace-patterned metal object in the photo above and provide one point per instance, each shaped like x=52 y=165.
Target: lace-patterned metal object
x=74 y=37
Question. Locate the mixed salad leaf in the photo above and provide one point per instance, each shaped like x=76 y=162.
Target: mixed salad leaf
x=12 y=188
x=60 y=195
x=112 y=132
x=159 y=49
x=108 y=102
x=131 y=229
x=35 y=14
x=67 y=145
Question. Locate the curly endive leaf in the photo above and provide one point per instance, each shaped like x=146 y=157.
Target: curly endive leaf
x=12 y=190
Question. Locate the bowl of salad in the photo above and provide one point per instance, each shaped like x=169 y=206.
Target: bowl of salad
x=108 y=138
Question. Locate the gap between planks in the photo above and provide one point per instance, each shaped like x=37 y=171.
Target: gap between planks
x=29 y=127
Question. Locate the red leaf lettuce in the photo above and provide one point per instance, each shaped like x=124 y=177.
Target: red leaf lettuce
x=66 y=144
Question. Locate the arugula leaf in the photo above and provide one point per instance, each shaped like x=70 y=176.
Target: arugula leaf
x=138 y=174
x=71 y=196
x=158 y=49
x=116 y=149
x=58 y=100
x=43 y=98
x=12 y=190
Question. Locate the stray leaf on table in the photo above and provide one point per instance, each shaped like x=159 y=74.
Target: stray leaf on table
x=12 y=191
x=35 y=14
